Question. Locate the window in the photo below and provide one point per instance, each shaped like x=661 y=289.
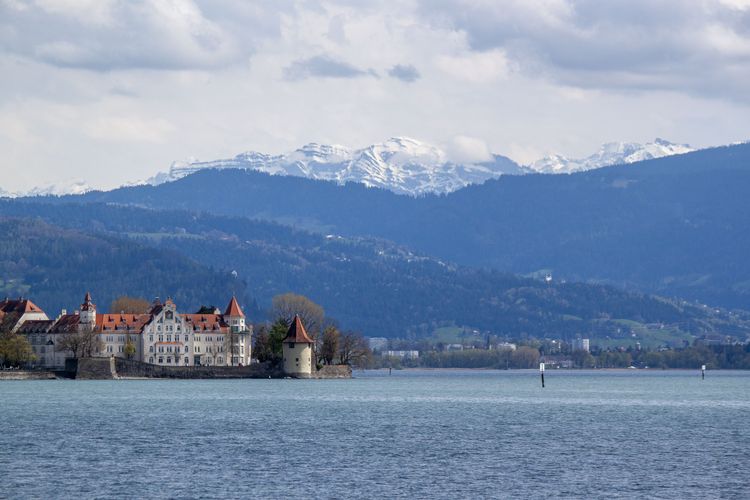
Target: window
x=151 y=360
x=161 y=360
x=219 y=360
x=150 y=338
x=168 y=315
x=161 y=348
x=41 y=349
x=150 y=348
x=169 y=348
x=178 y=328
x=169 y=338
x=186 y=348
x=158 y=328
x=187 y=360
x=186 y=338
x=161 y=338
x=120 y=348
x=169 y=360
x=291 y=345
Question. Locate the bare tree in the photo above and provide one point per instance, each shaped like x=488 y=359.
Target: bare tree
x=330 y=346
x=288 y=305
x=83 y=343
x=129 y=305
x=353 y=349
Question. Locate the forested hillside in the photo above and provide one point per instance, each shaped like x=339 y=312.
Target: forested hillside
x=377 y=287
x=676 y=226
x=55 y=268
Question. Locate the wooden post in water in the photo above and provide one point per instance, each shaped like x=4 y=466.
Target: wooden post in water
x=703 y=372
x=541 y=371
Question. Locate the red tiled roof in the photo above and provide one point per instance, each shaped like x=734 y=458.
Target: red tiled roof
x=206 y=322
x=130 y=322
x=19 y=306
x=233 y=309
x=297 y=333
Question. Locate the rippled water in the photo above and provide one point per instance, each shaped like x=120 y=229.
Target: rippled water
x=431 y=434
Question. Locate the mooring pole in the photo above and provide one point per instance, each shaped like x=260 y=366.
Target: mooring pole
x=541 y=371
x=703 y=372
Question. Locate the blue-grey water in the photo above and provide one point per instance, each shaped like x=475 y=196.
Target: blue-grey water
x=421 y=434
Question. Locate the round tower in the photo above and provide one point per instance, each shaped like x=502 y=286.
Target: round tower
x=297 y=350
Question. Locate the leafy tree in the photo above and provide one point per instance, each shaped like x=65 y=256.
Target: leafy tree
x=130 y=349
x=15 y=349
x=268 y=342
x=129 y=305
x=330 y=347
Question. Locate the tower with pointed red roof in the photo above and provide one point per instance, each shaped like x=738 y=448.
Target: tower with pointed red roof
x=88 y=311
x=297 y=350
x=239 y=340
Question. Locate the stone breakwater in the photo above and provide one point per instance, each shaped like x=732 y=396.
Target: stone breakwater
x=26 y=375
x=118 y=368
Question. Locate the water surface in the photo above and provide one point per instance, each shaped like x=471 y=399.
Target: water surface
x=425 y=434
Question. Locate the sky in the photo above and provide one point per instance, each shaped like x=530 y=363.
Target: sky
x=109 y=91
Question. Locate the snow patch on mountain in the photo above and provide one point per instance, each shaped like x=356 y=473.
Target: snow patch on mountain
x=400 y=164
x=613 y=153
x=52 y=189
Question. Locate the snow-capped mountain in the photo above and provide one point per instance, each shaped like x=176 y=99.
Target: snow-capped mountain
x=400 y=164
x=613 y=153
x=53 y=189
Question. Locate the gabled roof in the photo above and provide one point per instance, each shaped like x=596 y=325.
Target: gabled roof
x=20 y=306
x=233 y=309
x=297 y=333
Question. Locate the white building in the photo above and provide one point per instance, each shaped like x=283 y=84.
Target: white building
x=162 y=336
x=581 y=344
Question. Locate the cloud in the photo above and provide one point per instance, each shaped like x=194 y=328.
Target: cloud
x=404 y=72
x=323 y=67
x=105 y=35
x=476 y=67
x=701 y=48
x=464 y=149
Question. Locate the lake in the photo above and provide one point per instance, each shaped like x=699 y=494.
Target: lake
x=421 y=434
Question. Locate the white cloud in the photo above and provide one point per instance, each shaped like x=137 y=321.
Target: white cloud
x=111 y=91
x=464 y=149
x=477 y=67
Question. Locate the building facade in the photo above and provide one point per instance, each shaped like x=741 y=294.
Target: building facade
x=162 y=336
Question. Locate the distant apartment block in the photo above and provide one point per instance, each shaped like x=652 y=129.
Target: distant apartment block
x=402 y=354
x=581 y=345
